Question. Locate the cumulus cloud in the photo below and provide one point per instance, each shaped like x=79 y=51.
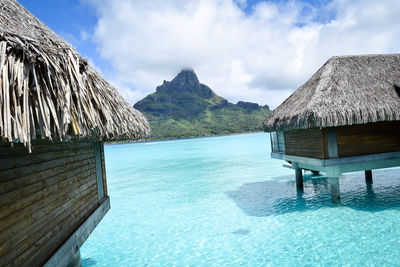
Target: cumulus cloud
x=241 y=3
x=260 y=56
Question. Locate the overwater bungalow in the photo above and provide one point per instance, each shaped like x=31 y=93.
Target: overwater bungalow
x=345 y=118
x=56 y=111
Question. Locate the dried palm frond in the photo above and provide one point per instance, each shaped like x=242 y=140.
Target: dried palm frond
x=346 y=90
x=46 y=87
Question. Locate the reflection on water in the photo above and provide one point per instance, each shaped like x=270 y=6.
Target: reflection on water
x=88 y=262
x=218 y=202
x=279 y=196
x=241 y=232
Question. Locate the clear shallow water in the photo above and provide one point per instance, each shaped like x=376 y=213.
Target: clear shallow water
x=222 y=201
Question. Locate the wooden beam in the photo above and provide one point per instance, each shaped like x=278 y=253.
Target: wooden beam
x=287 y=166
x=99 y=171
x=299 y=159
x=276 y=155
x=332 y=142
x=362 y=159
x=391 y=158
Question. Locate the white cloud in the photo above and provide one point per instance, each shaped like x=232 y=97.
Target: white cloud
x=259 y=57
x=132 y=96
x=84 y=35
x=241 y=3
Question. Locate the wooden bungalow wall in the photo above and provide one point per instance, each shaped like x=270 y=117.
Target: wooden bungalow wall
x=353 y=140
x=44 y=197
x=369 y=138
x=307 y=143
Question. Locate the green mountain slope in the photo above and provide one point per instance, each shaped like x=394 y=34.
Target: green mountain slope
x=184 y=108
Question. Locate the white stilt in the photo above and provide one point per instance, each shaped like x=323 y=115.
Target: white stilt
x=335 y=189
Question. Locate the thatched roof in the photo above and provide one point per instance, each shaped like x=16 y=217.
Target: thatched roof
x=48 y=89
x=346 y=90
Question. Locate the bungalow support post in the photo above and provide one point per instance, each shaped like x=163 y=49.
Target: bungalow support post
x=333 y=140
x=333 y=174
x=299 y=175
x=335 y=189
x=368 y=176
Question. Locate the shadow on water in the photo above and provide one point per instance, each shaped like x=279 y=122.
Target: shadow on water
x=280 y=195
x=88 y=262
x=241 y=231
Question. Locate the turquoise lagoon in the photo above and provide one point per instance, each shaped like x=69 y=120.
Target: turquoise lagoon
x=222 y=201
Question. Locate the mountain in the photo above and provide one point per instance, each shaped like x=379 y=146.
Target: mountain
x=184 y=108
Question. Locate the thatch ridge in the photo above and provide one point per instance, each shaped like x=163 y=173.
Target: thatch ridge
x=48 y=89
x=346 y=90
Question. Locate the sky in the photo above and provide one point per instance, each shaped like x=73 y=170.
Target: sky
x=250 y=50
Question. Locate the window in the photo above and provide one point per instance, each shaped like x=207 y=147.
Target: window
x=99 y=170
x=278 y=141
x=274 y=142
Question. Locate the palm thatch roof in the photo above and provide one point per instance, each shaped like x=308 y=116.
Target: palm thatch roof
x=48 y=89
x=346 y=90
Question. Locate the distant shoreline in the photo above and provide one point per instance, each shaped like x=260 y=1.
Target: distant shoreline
x=173 y=139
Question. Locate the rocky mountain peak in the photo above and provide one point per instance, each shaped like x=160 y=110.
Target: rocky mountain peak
x=185 y=82
x=184 y=107
x=187 y=76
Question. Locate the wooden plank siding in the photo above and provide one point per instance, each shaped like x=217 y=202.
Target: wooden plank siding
x=353 y=140
x=307 y=143
x=44 y=197
x=371 y=138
